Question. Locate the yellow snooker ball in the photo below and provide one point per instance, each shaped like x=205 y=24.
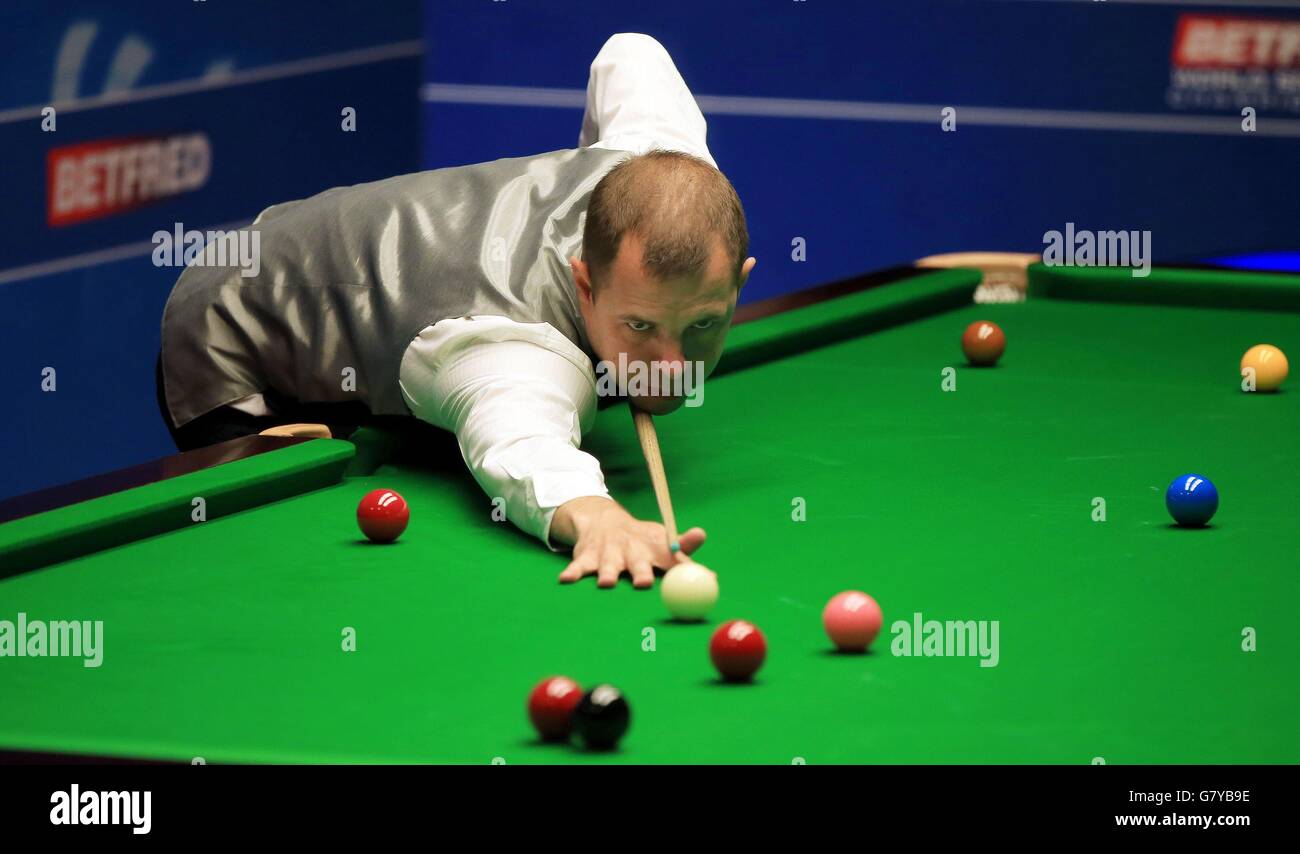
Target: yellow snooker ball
x=1269 y=365
x=689 y=591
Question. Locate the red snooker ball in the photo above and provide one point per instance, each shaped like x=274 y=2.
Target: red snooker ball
x=983 y=343
x=551 y=705
x=382 y=515
x=737 y=650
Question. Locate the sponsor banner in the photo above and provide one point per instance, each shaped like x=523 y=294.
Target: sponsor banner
x=1229 y=61
x=111 y=176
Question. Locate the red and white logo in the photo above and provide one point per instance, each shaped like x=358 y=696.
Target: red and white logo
x=1230 y=62
x=96 y=179
x=1225 y=41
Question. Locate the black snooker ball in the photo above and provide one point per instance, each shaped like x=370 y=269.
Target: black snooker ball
x=601 y=718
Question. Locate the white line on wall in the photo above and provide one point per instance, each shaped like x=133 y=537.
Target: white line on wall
x=296 y=68
x=877 y=111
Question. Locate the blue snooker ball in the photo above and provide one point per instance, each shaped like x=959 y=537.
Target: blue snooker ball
x=1191 y=500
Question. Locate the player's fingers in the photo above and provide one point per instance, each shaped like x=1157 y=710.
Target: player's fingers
x=612 y=563
x=692 y=540
x=579 y=568
x=687 y=543
x=643 y=571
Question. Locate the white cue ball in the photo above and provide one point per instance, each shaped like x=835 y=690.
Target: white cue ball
x=689 y=591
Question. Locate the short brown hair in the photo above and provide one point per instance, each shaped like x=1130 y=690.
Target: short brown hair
x=678 y=204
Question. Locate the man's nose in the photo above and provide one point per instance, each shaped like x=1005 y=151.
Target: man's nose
x=671 y=354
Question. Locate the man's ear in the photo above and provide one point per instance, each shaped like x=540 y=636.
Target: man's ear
x=745 y=270
x=581 y=278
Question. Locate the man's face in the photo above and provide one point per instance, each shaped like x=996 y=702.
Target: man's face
x=659 y=323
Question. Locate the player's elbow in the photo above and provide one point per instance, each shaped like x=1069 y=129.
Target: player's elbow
x=631 y=46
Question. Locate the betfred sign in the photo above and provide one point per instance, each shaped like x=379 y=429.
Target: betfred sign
x=111 y=176
x=1223 y=41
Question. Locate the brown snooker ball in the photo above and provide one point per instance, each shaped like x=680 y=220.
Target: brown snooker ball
x=983 y=343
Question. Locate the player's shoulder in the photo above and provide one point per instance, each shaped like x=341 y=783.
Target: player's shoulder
x=414 y=181
x=586 y=156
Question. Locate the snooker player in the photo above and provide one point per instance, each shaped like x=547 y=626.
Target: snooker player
x=479 y=299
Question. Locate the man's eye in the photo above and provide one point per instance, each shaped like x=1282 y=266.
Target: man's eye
x=704 y=324
x=638 y=325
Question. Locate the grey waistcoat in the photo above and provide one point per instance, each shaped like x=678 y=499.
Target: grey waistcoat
x=350 y=276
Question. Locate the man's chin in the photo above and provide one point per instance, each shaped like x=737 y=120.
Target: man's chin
x=658 y=405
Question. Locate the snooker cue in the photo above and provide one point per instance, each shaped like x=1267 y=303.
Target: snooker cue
x=645 y=432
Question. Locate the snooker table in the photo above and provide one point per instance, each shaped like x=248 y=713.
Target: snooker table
x=1118 y=640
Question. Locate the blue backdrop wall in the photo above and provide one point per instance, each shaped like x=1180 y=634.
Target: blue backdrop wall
x=259 y=87
x=826 y=115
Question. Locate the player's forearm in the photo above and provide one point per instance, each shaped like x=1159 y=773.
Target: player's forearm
x=532 y=477
x=518 y=406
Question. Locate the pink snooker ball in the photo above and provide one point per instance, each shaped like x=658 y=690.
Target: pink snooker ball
x=852 y=620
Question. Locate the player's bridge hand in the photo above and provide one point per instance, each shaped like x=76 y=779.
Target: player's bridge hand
x=608 y=541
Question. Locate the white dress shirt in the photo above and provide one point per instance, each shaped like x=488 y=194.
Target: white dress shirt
x=519 y=396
